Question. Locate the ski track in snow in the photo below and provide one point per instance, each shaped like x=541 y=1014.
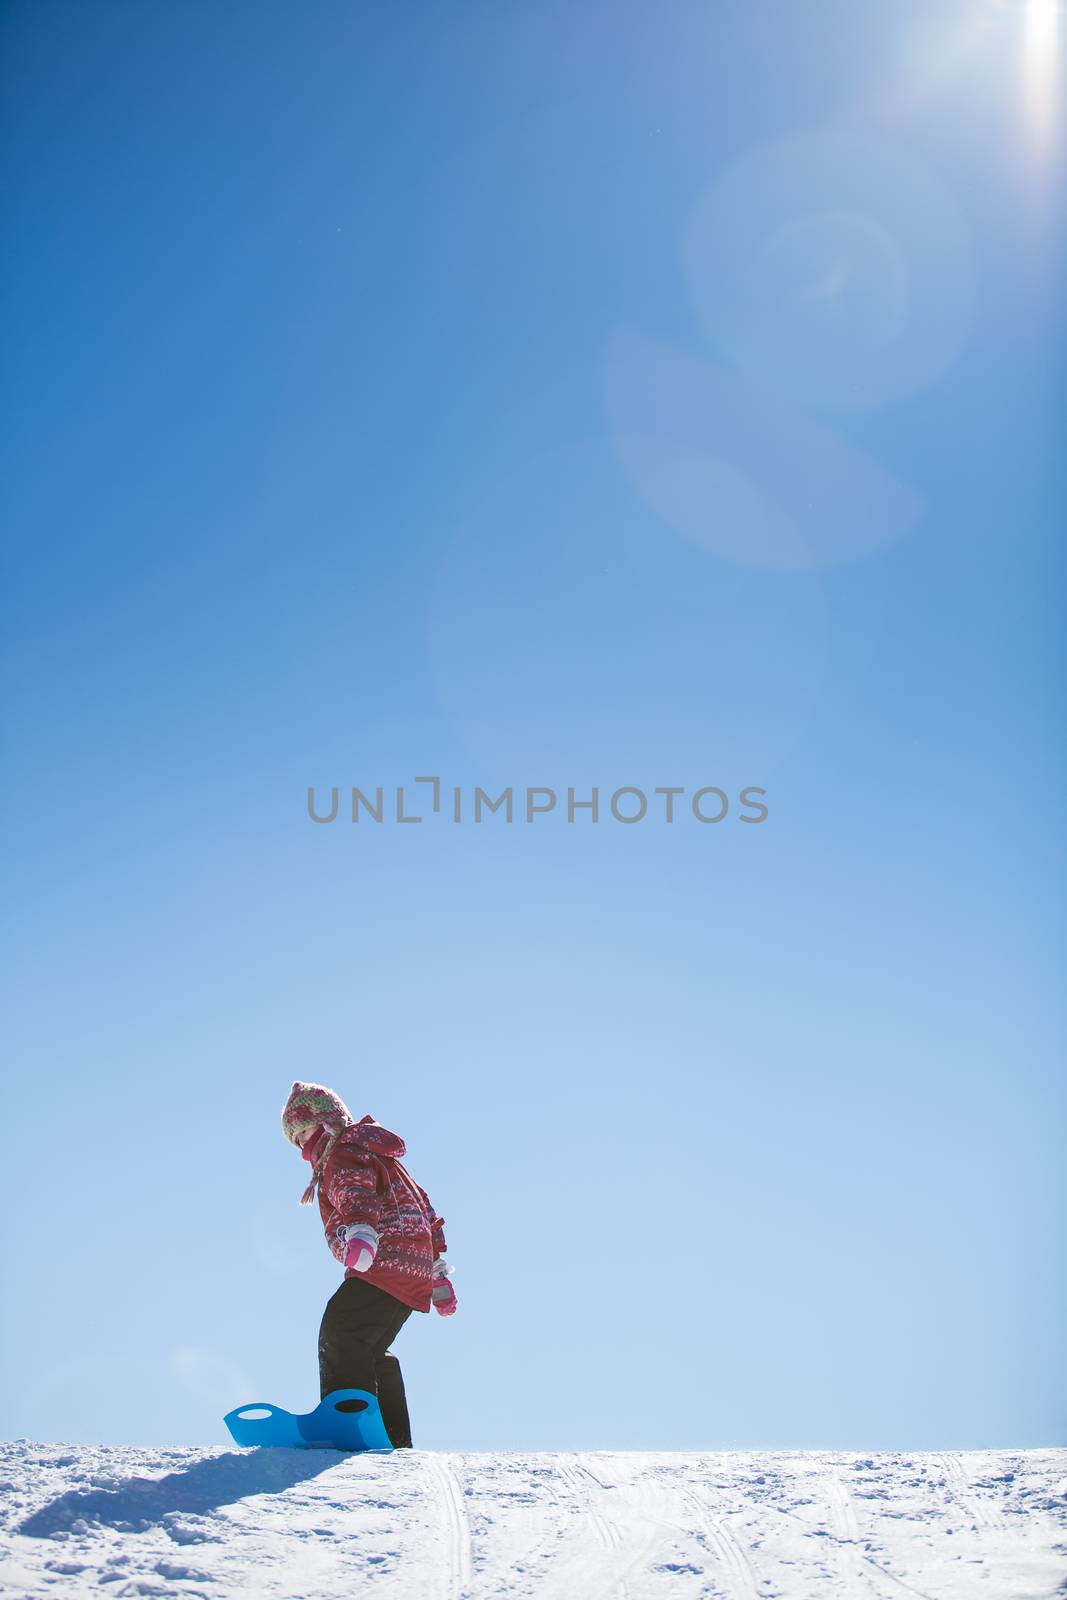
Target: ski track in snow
x=457 y=1564
x=624 y=1531
x=738 y=1578
x=986 y=1513
x=855 y=1566
x=81 y=1520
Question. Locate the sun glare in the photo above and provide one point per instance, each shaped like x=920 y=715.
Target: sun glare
x=1040 y=62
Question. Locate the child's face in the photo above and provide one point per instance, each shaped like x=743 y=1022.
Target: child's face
x=304 y=1134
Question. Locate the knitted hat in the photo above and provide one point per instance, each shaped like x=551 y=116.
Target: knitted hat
x=311 y=1105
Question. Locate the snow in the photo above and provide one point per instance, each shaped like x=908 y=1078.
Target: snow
x=101 y=1520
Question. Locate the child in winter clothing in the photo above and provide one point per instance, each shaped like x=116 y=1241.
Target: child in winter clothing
x=381 y=1227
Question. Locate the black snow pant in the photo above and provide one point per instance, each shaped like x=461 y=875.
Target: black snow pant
x=358 y=1326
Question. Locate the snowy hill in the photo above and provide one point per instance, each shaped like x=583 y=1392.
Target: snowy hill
x=83 y=1520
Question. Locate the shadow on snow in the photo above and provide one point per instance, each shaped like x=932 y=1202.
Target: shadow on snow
x=141 y=1503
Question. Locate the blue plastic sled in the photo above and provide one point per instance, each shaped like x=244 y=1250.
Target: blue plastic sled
x=328 y=1427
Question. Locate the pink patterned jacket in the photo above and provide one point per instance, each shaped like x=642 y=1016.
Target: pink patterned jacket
x=363 y=1182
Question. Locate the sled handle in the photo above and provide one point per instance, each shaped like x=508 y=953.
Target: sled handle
x=253 y=1405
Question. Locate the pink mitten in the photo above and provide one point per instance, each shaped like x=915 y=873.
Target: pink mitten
x=442 y=1294
x=360 y=1245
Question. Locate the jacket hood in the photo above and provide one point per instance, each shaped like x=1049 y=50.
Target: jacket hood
x=366 y=1134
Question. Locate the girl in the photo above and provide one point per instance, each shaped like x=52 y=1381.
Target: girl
x=382 y=1228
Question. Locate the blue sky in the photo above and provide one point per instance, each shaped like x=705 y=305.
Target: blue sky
x=574 y=396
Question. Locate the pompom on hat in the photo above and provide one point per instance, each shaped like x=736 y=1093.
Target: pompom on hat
x=312 y=1105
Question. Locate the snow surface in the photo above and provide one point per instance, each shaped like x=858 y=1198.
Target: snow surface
x=108 y=1521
